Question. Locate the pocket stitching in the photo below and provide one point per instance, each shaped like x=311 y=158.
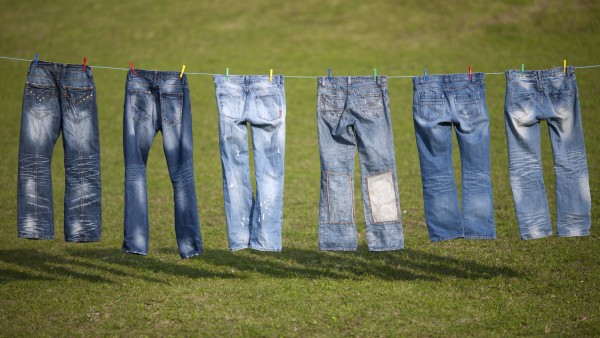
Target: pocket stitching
x=264 y=115
x=51 y=90
x=77 y=105
x=469 y=99
x=179 y=97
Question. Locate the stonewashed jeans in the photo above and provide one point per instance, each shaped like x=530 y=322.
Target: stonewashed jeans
x=59 y=98
x=441 y=102
x=354 y=112
x=252 y=222
x=159 y=101
x=551 y=96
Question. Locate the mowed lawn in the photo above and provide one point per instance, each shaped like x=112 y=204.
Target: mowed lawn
x=457 y=288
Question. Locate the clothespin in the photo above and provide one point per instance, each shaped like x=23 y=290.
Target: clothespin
x=271 y=75
x=565 y=66
x=227 y=73
x=329 y=73
x=375 y=74
x=182 y=70
x=522 y=69
x=470 y=73
x=425 y=74
x=84 y=63
x=36 y=59
x=131 y=66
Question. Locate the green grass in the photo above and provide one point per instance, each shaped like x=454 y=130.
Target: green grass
x=456 y=288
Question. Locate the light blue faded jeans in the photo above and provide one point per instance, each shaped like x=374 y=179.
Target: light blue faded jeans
x=241 y=100
x=159 y=101
x=354 y=112
x=551 y=96
x=442 y=103
x=59 y=98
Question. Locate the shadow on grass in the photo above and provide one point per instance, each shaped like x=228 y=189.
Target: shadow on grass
x=106 y=265
x=95 y=265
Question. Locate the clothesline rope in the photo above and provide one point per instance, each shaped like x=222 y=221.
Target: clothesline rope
x=287 y=76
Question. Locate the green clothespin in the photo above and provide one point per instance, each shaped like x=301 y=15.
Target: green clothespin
x=522 y=69
x=227 y=73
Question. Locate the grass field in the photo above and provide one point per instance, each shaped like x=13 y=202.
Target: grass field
x=457 y=288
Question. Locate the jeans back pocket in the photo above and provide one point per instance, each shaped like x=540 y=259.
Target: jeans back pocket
x=521 y=105
x=563 y=102
x=171 y=108
x=371 y=104
x=78 y=101
x=431 y=106
x=230 y=105
x=140 y=102
x=331 y=106
x=468 y=105
x=268 y=106
x=38 y=99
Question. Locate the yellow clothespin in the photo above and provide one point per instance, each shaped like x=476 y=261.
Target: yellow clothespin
x=565 y=66
x=182 y=70
x=271 y=75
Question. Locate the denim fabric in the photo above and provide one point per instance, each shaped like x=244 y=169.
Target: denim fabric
x=549 y=95
x=159 y=101
x=59 y=98
x=440 y=103
x=354 y=112
x=241 y=100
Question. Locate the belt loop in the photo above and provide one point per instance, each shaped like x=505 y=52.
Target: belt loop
x=320 y=81
x=349 y=81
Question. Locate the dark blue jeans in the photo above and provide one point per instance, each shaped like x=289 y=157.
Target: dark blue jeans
x=159 y=101
x=57 y=98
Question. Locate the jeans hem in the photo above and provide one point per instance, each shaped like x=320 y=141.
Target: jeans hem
x=191 y=254
x=386 y=249
x=40 y=237
x=440 y=239
x=135 y=252
x=264 y=249
x=575 y=234
x=238 y=248
x=337 y=249
x=528 y=237
x=82 y=240
x=480 y=237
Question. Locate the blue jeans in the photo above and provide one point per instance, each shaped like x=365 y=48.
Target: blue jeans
x=59 y=98
x=252 y=222
x=354 y=112
x=549 y=95
x=159 y=101
x=440 y=103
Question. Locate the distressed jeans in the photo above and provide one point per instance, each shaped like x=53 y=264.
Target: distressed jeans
x=159 y=101
x=252 y=222
x=59 y=98
x=354 y=112
x=441 y=102
x=551 y=96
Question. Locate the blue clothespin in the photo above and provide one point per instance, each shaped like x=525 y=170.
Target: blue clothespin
x=425 y=74
x=36 y=59
x=375 y=74
x=329 y=73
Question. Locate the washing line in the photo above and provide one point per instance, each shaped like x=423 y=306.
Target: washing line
x=286 y=76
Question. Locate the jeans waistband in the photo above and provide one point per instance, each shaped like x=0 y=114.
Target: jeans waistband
x=247 y=79
x=59 y=67
x=154 y=76
x=449 y=78
x=537 y=74
x=351 y=81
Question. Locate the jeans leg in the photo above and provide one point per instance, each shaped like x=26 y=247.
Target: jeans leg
x=178 y=146
x=83 y=197
x=573 y=202
x=40 y=127
x=139 y=130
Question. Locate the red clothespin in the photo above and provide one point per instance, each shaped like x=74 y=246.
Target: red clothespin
x=131 y=66
x=470 y=73
x=84 y=63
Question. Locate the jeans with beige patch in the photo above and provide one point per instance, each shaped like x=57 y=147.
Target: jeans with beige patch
x=443 y=104
x=255 y=103
x=532 y=97
x=159 y=101
x=59 y=98
x=353 y=112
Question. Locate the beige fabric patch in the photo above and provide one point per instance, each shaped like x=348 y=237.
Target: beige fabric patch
x=382 y=197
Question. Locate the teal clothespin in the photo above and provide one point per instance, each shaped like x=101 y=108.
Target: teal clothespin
x=36 y=58
x=522 y=69
x=425 y=74
x=227 y=73
x=375 y=74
